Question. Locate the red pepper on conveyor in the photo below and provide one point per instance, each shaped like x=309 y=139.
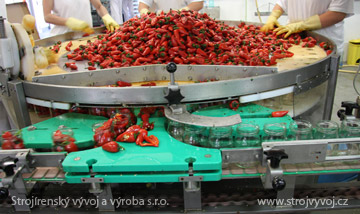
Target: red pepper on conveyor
x=279 y=113
x=234 y=105
x=128 y=136
x=64 y=142
x=145 y=122
x=10 y=141
x=111 y=147
x=138 y=135
x=140 y=138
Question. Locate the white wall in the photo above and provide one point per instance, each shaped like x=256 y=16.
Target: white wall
x=3 y=9
x=245 y=9
x=352 y=27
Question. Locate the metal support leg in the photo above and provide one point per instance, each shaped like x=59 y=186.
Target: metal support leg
x=288 y=192
x=192 y=195
x=17 y=190
x=17 y=96
x=105 y=198
x=330 y=94
x=18 y=193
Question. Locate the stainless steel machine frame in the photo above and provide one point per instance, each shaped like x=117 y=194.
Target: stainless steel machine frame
x=234 y=82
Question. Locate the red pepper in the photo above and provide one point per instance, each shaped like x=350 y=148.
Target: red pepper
x=140 y=138
x=71 y=147
x=134 y=128
x=152 y=141
x=123 y=84
x=111 y=147
x=234 y=105
x=279 y=113
x=91 y=68
x=201 y=52
x=67 y=64
x=78 y=58
x=68 y=46
x=149 y=84
x=128 y=136
x=73 y=67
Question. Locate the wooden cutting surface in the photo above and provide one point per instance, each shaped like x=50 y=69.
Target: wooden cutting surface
x=302 y=57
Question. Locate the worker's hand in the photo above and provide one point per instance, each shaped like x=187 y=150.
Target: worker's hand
x=28 y=22
x=272 y=21
x=144 y=11
x=311 y=23
x=77 y=25
x=110 y=23
x=41 y=60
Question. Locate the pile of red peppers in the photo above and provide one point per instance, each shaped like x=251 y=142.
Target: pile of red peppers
x=11 y=141
x=186 y=37
x=121 y=127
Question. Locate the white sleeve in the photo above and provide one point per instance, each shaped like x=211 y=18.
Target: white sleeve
x=147 y=2
x=283 y=4
x=343 y=6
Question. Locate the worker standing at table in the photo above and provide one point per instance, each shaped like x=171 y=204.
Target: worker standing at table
x=75 y=15
x=165 y=5
x=325 y=17
x=121 y=10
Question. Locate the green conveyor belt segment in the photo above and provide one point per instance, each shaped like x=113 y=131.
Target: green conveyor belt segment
x=170 y=156
x=250 y=113
x=40 y=138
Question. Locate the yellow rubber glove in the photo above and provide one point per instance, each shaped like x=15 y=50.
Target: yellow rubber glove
x=76 y=24
x=28 y=22
x=41 y=60
x=110 y=23
x=144 y=11
x=311 y=23
x=88 y=30
x=272 y=21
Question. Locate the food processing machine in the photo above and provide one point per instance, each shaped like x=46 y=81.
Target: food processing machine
x=175 y=177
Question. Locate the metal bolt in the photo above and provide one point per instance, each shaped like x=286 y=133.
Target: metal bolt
x=90 y=73
x=144 y=68
x=36 y=80
x=163 y=78
x=145 y=78
x=227 y=157
x=190 y=78
x=118 y=71
x=217 y=68
x=77 y=158
x=244 y=69
x=63 y=76
x=189 y=68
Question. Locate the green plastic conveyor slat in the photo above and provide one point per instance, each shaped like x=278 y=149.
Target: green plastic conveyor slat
x=40 y=138
x=250 y=113
x=170 y=156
